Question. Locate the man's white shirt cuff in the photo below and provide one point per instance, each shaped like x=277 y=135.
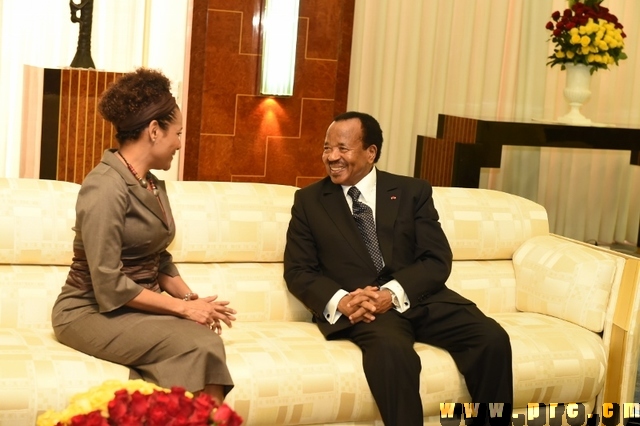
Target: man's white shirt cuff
x=331 y=312
x=397 y=289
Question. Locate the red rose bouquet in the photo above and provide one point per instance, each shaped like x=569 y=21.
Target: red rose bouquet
x=139 y=403
x=586 y=33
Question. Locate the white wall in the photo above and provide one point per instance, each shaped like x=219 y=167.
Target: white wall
x=125 y=34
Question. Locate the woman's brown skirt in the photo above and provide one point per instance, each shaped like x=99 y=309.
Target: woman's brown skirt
x=162 y=349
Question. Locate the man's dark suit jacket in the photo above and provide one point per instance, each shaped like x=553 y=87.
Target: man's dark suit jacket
x=325 y=252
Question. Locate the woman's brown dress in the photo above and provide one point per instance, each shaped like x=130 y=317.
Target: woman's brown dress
x=122 y=232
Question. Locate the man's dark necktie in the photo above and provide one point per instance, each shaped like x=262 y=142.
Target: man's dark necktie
x=364 y=219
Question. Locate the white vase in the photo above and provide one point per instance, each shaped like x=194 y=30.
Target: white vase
x=577 y=92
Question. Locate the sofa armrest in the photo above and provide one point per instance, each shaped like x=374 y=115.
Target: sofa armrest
x=566 y=280
x=620 y=331
x=623 y=343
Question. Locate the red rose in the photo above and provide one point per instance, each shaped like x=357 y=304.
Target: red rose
x=156 y=416
x=93 y=418
x=117 y=407
x=555 y=16
x=139 y=404
x=181 y=421
x=202 y=406
x=173 y=404
x=129 y=420
x=203 y=402
x=225 y=416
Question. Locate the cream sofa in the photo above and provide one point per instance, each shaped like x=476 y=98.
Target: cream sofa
x=569 y=308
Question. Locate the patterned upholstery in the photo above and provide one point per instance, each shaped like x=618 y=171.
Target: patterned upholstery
x=491 y=284
x=36 y=221
x=229 y=222
x=483 y=224
x=565 y=280
x=325 y=383
x=229 y=242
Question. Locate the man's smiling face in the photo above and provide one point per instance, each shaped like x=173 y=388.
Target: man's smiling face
x=346 y=159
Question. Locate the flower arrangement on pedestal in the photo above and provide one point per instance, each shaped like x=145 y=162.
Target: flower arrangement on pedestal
x=586 y=33
x=587 y=37
x=140 y=403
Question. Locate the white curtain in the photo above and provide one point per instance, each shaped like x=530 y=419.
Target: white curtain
x=414 y=59
x=125 y=34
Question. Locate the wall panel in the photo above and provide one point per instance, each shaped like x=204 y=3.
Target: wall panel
x=233 y=134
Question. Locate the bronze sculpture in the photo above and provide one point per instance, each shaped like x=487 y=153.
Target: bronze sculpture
x=82 y=59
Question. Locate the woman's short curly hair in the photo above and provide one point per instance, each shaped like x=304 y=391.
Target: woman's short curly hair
x=131 y=95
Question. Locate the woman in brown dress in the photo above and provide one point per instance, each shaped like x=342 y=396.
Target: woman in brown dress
x=111 y=305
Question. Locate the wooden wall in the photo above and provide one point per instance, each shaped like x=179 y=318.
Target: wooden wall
x=435 y=157
x=74 y=135
x=232 y=133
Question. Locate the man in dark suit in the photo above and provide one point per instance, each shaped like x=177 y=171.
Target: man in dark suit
x=385 y=295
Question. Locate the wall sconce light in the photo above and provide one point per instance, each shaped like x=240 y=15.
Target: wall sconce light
x=279 y=39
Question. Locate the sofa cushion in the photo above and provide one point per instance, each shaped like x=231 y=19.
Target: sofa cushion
x=491 y=284
x=554 y=360
x=256 y=290
x=39 y=374
x=229 y=221
x=286 y=373
x=560 y=278
x=485 y=224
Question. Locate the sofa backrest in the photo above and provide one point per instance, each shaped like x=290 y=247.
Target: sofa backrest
x=240 y=222
x=483 y=224
x=36 y=217
x=485 y=228
x=230 y=240
x=229 y=221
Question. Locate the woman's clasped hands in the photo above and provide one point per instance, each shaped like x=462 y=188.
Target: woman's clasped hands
x=210 y=311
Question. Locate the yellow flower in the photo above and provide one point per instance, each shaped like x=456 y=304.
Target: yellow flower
x=597 y=42
x=585 y=40
x=96 y=398
x=599 y=35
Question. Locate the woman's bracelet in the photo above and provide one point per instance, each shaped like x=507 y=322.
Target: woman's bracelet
x=187 y=296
